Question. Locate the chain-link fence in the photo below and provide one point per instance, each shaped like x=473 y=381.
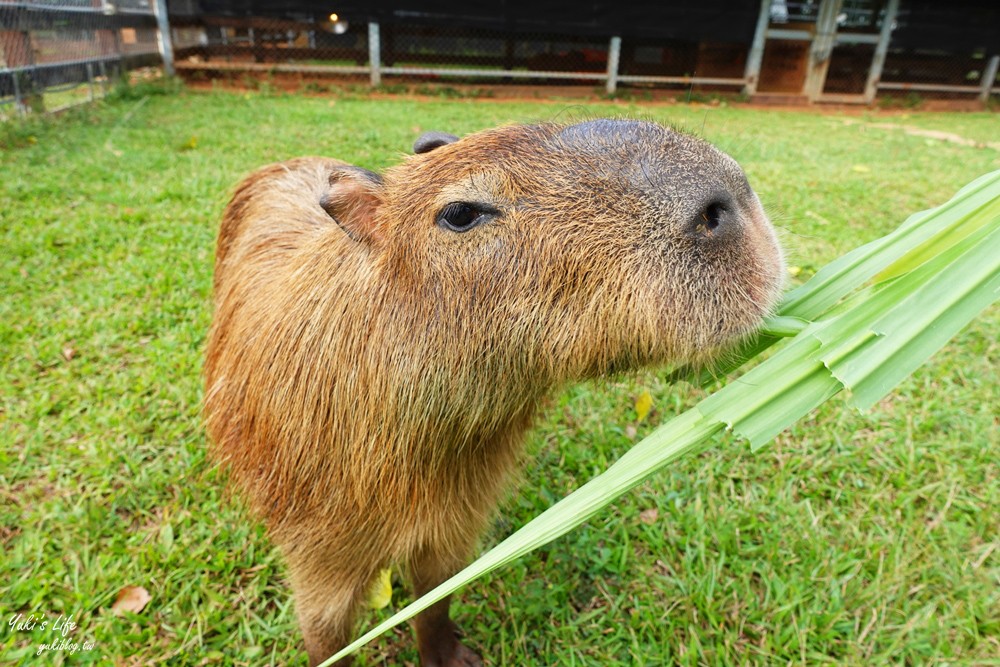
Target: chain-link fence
x=807 y=50
x=943 y=52
x=56 y=53
x=936 y=71
x=413 y=53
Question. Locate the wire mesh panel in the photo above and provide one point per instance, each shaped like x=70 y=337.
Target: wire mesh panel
x=421 y=45
x=707 y=64
x=816 y=50
x=859 y=25
x=848 y=70
x=309 y=40
x=139 y=41
x=484 y=55
x=785 y=55
x=933 y=69
x=941 y=50
x=55 y=53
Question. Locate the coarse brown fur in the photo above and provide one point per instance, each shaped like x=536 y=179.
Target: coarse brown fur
x=370 y=373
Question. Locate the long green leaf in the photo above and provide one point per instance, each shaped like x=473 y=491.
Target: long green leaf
x=758 y=408
x=841 y=276
x=924 y=319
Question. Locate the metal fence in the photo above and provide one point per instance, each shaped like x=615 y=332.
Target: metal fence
x=846 y=51
x=398 y=52
x=57 y=53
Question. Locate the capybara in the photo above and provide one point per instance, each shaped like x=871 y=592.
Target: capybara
x=380 y=342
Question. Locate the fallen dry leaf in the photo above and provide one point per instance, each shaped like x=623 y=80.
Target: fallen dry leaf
x=380 y=594
x=131 y=598
x=643 y=404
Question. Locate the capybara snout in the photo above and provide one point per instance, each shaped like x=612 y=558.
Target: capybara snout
x=381 y=341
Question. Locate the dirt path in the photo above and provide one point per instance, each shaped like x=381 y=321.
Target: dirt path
x=940 y=135
x=203 y=77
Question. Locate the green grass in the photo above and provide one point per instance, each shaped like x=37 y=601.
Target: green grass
x=58 y=100
x=853 y=539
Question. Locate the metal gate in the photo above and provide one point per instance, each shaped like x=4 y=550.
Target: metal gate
x=822 y=50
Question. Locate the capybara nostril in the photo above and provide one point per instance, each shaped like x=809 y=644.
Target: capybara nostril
x=718 y=213
x=713 y=214
x=716 y=219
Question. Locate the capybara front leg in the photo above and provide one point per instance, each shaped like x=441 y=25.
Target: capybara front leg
x=327 y=602
x=437 y=634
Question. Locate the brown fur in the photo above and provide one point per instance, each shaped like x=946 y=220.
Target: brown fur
x=370 y=378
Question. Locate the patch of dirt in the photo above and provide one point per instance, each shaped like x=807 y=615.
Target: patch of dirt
x=939 y=135
x=232 y=76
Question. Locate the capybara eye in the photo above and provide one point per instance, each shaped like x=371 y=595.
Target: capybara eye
x=461 y=216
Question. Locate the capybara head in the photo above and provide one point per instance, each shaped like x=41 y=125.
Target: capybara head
x=570 y=251
x=380 y=342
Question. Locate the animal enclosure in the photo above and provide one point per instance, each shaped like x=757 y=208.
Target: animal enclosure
x=58 y=52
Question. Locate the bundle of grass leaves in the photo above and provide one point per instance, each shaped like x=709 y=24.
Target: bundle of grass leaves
x=862 y=324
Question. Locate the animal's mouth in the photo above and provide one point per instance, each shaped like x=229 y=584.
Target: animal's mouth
x=733 y=333
x=736 y=312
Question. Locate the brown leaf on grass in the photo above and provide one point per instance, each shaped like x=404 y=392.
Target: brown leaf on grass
x=131 y=598
x=649 y=516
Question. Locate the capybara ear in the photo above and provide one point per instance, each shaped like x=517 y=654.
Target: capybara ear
x=428 y=141
x=352 y=200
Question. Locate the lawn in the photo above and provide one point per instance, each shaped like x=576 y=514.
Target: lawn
x=857 y=539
